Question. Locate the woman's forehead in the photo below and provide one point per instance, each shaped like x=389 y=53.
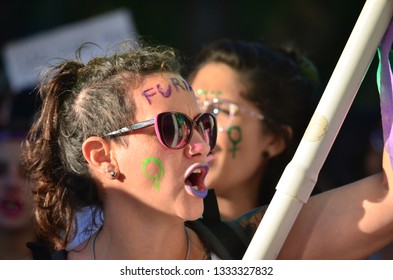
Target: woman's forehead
x=158 y=88
x=165 y=92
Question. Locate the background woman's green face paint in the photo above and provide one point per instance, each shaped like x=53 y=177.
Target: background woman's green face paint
x=206 y=93
x=235 y=136
x=154 y=170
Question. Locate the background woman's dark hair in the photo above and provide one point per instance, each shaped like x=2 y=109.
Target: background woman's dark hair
x=280 y=82
x=79 y=101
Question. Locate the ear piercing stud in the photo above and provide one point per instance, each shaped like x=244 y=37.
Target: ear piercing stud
x=111 y=172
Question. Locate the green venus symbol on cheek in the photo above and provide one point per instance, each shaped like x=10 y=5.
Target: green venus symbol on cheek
x=154 y=170
x=235 y=136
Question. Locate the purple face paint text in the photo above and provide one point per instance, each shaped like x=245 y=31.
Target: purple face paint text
x=166 y=90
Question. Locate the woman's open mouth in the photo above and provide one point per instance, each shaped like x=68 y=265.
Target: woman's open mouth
x=195 y=180
x=11 y=207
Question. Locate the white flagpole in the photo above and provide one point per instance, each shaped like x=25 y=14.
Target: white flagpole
x=299 y=178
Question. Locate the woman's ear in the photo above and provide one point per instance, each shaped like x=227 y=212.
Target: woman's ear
x=279 y=143
x=97 y=153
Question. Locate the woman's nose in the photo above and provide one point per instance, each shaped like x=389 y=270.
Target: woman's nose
x=197 y=145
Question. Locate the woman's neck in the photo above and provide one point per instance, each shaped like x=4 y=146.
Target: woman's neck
x=164 y=238
x=234 y=202
x=13 y=244
x=233 y=206
x=142 y=242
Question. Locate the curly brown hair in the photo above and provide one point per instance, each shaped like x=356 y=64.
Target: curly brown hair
x=78 y=101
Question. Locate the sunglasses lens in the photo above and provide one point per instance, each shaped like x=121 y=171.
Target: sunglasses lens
x=207 y=128
x=175 y=130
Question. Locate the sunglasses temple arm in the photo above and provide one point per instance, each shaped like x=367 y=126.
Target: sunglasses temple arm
x=131 y=128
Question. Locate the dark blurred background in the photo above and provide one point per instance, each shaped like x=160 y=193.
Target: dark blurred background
x=319 y=28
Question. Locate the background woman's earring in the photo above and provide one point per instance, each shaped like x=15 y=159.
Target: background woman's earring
x=265 y=154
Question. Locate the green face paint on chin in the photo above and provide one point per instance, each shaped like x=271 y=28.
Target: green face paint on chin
x=154 y=170
x=235 y=136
